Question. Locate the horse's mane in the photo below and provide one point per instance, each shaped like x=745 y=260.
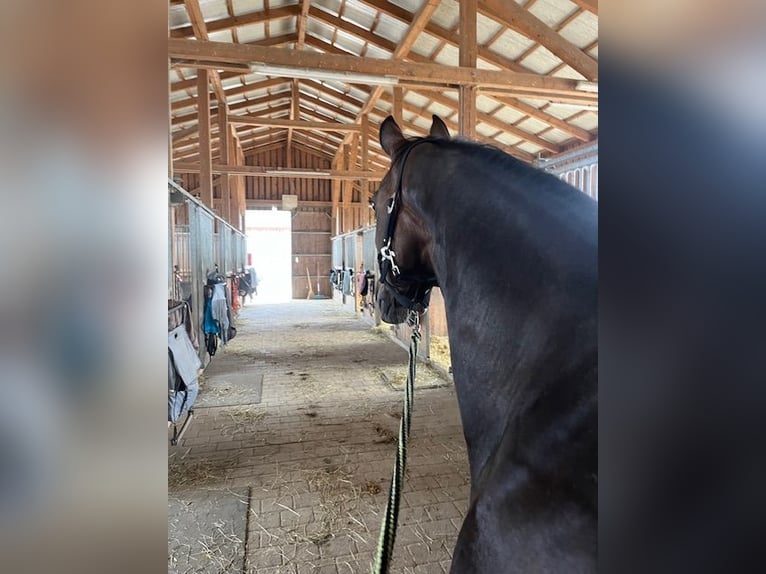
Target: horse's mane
x=493 y=156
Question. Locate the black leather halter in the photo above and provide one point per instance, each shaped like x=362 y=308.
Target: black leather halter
x=424 y=283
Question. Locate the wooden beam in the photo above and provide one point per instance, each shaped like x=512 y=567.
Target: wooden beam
x=260 y=171
x=273 y=41
x=524 y=22
x=206 y=158
x=294 y=124
x=234 y=91
x=237 y=21
x=365 y=157
x=553 y=121
x=533 y=85
x=467 y=58
x=301 y=24
x=497 y=123
x=224 y=138
x=396 y=107
x=443 y=34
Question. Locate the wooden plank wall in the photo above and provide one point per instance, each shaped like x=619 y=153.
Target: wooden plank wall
x=273 y=188
x=312 y=251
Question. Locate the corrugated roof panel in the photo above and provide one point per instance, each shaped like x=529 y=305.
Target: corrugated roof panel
x=221 y=36
x=425 y=45
x=568 y=72
x=329 y=5
x=246 y=6
x=509 y=115
x=511 y=45
x=230 y=82
x=448 y=56
x=486 y=105
x=552 y=12
x=390 y=28
x=555 y=136
x=484 y=65
x=588 y=121
x=374 y=51
x=447 y=14
x=485 y=130
x=532 y=125
x=440 y=110
x=349 y=42
x=529 y=147
x=213 y=9
x=541 y=61
x=359 y=14
x=178 y=16
x=533 y=103
x=251 y=32
x=415 y=99
x=560 y=112
x=409 y=5
x=508 y=138
x=280 y=3
x=581 y=31
x=282 y=26
x=319 y=29
x=486 y=28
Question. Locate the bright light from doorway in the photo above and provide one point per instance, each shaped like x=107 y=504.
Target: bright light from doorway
x=269 y=242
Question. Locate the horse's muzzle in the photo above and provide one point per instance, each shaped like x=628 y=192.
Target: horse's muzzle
x=390 y=310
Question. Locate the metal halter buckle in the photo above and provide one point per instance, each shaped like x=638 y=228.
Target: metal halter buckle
x=388 y=255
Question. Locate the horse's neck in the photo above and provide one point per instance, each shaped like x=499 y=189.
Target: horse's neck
x=510 y=323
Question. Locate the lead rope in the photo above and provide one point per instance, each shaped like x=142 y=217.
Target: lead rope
x=388 y=525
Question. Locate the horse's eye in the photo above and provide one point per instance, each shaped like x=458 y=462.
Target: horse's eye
x=372 y=204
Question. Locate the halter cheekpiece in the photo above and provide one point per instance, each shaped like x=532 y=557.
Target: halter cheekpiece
x=387 y=257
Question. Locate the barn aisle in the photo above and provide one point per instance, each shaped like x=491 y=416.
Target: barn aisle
x=287 y=463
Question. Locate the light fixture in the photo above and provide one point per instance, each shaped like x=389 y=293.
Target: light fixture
x=587 y=87
x=330 y=75
x=296 y=172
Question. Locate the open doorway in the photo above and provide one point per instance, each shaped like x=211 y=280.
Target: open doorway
x=269 y=248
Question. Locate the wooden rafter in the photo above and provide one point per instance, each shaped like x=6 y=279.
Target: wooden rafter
x=296 y=124
x=261 y=171
x=435 y=74
x=237 y=21
x=523 y=21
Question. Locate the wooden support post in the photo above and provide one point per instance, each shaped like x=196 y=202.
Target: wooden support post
x=335 y=200
x=348 y=187
x=398 y=102
x=364 y=151
x=468 y=53
x=294 y=115
x=231 y=181
x=225 y=179
x=206 y=157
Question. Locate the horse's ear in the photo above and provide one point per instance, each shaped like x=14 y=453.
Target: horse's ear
x=438 y=128
x=390 y=135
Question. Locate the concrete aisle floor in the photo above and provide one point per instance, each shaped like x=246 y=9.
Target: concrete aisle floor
x=296 y=483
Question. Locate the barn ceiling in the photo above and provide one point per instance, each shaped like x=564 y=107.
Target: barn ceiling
x=545 y=103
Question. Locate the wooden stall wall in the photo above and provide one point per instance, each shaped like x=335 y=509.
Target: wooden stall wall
x=269 y=188
x=312 y=254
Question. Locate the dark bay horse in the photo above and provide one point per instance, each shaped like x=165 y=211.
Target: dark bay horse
x=514 y=251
